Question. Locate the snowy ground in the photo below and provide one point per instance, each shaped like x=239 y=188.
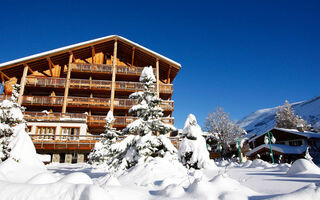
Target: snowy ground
x=257 y=180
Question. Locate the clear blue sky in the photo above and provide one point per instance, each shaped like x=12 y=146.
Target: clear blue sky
x=240 y=55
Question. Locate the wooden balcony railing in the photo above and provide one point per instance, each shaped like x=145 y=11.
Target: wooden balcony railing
x=104 y=68
x=96 y=120
x=84 y=102
x=54 y=117
x=92 y=84
x=73 y=142
x=46 y=82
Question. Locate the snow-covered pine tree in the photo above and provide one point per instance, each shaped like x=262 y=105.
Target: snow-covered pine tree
x=10 y=117
x=285 y=118
x=223 y=131
x=101 y=153
x=193 y=151
x=146 y=143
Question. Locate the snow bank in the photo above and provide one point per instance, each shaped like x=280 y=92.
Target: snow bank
x=310 y=192
x=23 y=163
x=43 y=178
x=303 y=166
x=220 y=187
x=77 y=178
x=157 y=171
x=55 y=191
x=260 y=163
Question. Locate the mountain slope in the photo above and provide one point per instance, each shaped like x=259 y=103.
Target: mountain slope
x=264 y=119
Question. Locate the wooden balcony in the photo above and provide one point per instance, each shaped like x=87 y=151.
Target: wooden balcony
x=120 y=121
x=70 y=142
x=64 y=142
x=54 y=117
x=93 y=120
x=104 y=68
x=85 y=102
x=92 y=84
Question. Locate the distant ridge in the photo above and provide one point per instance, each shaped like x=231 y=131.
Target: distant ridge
x=264 y=119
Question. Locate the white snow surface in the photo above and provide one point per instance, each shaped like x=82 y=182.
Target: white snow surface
x=147 y=74
x=303 y=166
x=23 y=163
x=164 y=179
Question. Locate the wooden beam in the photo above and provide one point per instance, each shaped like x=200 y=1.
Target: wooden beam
x=168 y=78
x=29 y=68
x=72 y=57
x=93 y=54
x=7 y=77
x=114 y=71
x=66 y=90
x=158 y=82
x=51 y=65
x=132 y=56
x=22 y=84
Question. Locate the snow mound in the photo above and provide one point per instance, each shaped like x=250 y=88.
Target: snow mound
x=23 y=164
x=77 y=178
x=247 y=163
x=258 y=163
x=108 y=180
x=54 y=191
x=224 y=188
x=155 y=172
x=171 y=191
x=43 y=178
x=309 y=192
x=303 y=166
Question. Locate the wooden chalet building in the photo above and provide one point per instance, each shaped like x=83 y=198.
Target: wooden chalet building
x=68 y=91
x=291 y=144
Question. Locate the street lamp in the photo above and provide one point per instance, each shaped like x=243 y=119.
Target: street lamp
x=219 y=149
x=239 y=150
x=269 y=138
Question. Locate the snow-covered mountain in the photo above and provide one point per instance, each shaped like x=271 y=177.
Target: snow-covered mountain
x=264 y=119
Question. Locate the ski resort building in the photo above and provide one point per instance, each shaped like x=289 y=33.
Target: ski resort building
x=290 y=145
x=67 y=92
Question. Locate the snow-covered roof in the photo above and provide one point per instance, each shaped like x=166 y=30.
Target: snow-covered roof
x=285 y=149
x=306 y=134
x=69 y=47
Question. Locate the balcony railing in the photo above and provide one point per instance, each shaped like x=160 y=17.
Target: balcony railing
x=54 y=117
x=96 y=120
x=91 y=84
x=72 y=142
x=84 y=102
x=88 y=67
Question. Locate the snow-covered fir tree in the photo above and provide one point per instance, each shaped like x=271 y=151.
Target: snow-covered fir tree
x=223 y=132
x=10 y=117
x=149 y=139
x=285 y=118
x=193 y=151
x=101 y=153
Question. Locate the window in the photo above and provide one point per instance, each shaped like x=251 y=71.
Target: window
x=295 y=143
x=70 y=133
x=46 y=133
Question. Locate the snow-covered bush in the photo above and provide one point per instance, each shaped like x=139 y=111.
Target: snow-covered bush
x=147 y=142
x=285 y=118
x=101 y=152
x=10 y=117
x=223 y=132
x=193 y=151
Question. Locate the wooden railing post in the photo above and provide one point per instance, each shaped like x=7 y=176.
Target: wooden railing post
x=114 y=71
x=66 y=90
x=23 y=83
x=158 y=83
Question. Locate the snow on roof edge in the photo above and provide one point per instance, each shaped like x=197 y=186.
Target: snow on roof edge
x=84 y=43
x=280 y=148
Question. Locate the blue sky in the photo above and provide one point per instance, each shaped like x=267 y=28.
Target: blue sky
x=240 y=55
